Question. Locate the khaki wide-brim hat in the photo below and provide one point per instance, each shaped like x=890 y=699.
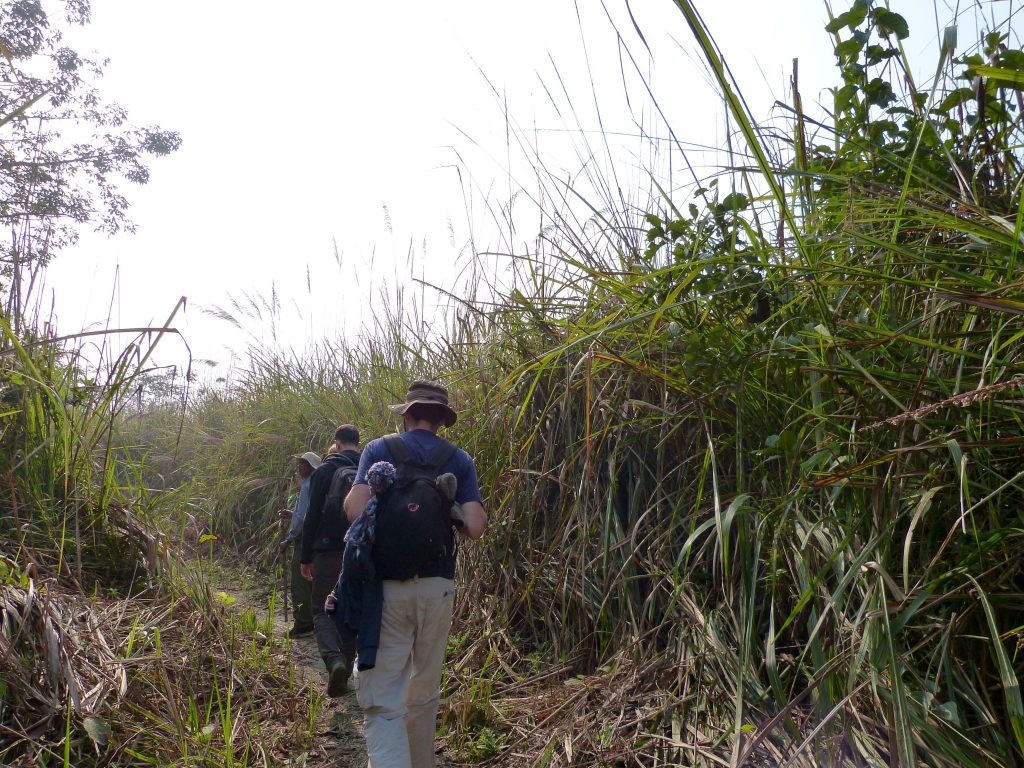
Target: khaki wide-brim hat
x=313 y=459
x=427 y=393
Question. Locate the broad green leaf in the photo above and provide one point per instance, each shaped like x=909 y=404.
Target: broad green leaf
x=891 y=23
x=998 y=74
x=850 y=19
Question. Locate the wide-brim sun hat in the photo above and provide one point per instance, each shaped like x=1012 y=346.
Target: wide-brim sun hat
x=427 y=393
x=311 y=458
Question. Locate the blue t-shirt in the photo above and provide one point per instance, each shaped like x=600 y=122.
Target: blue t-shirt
x=421 y=444
x=299 y=515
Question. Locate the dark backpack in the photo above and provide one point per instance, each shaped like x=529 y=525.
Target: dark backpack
x=333 y=522
x=341 y=484
x=414 y=526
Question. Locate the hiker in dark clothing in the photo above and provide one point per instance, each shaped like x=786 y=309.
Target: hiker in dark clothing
x=323 y=544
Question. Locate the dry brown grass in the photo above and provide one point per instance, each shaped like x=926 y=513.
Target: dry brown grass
x=159 y=678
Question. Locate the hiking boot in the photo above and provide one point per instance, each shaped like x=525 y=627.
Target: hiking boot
x=298 y=630
x=337 y=679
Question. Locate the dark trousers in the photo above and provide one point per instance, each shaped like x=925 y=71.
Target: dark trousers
x=302 y=592
x=326 y=569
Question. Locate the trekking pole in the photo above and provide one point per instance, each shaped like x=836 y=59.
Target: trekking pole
x=285 y=564
x=284 y=579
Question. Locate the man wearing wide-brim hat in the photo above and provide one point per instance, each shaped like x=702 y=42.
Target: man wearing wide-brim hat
x=431 y=395
x=400 y=693
x=302 y=594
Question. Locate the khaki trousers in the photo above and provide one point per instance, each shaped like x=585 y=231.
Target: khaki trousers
x=400 y=695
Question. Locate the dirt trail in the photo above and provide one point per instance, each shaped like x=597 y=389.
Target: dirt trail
x=339 y=726
x=339 y=740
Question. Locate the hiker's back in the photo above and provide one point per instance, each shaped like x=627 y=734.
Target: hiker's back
x=332 y=524
x=414 y=534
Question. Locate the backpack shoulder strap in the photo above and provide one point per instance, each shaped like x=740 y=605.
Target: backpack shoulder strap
x=341 y=482
x=340 y=473
x=397 y=448
x=442 y=454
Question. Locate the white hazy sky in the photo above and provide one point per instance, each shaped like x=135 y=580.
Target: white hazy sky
x=374 y=125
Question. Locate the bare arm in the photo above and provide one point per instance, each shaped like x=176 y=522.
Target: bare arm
x=356 y=501
x=475 y=520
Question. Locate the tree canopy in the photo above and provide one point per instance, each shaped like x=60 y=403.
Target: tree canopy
x=65 y=151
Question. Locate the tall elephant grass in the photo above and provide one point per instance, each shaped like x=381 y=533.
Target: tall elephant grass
x=112 y=649
x=77 y=506
x=778 y=442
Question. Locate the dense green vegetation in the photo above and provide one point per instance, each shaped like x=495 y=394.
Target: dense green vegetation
x=752 y=455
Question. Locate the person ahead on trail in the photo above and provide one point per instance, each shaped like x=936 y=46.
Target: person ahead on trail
x=302 y=612
x=414 y=557
x=323 y=543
